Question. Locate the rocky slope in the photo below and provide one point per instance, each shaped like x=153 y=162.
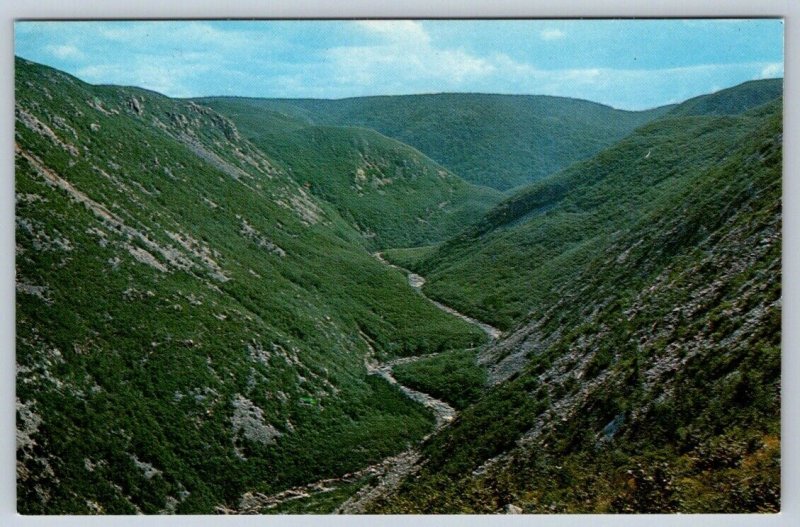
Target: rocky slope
x=188 y=315
x=200 y=327
x=535 y=241
x=648 y=378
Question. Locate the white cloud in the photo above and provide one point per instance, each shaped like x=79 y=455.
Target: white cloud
x=169 y=77
x=618 y=87
x=404 y=60
x=64 y=51
x=399 y=31
x=772 y=70
x=372 y=58
x=551 y=34
x=404 y=67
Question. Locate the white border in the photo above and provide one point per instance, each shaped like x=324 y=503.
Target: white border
x=49 y=9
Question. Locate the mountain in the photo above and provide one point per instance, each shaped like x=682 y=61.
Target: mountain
x=192 y=324
x=640 y=291
x=390 y=192
x=498 y=141
x=732 y=101
x=510 y=260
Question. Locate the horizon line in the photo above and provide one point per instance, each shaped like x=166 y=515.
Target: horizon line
x=418 y=94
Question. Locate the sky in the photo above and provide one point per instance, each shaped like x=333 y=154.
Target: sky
x=627 y=64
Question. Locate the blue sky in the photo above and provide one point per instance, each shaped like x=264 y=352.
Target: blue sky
x=630 y=64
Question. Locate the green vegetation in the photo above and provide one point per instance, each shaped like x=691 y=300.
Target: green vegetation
x=191 y=323
x=320 y=502
x=499 y=141
x=409 y=257
x=652 y=383
x=391 y=193
x=453 y=376
x=535 y=242
x=732 y=101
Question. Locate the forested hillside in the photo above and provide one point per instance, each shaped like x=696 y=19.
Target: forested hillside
x=520 y=252
x=640 y=371
x=191 y=323
x=390 y=192
x=498 y=141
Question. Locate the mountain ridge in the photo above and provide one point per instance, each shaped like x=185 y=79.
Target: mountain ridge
x=469 y=133
x=180 y=294
x=555 y=197
x=648 y=380
x=423 y=94
x=392 y=193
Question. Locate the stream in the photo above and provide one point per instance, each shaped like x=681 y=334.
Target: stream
x=391 y=470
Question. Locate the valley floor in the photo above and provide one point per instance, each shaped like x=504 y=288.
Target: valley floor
x=362 y=487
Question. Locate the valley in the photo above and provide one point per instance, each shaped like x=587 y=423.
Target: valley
x=388 y=472
x=394 y=305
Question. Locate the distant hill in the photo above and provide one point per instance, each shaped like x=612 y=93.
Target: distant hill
x=390 y=192
x=731 y=101
x=499 y=141
x=641 y=294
